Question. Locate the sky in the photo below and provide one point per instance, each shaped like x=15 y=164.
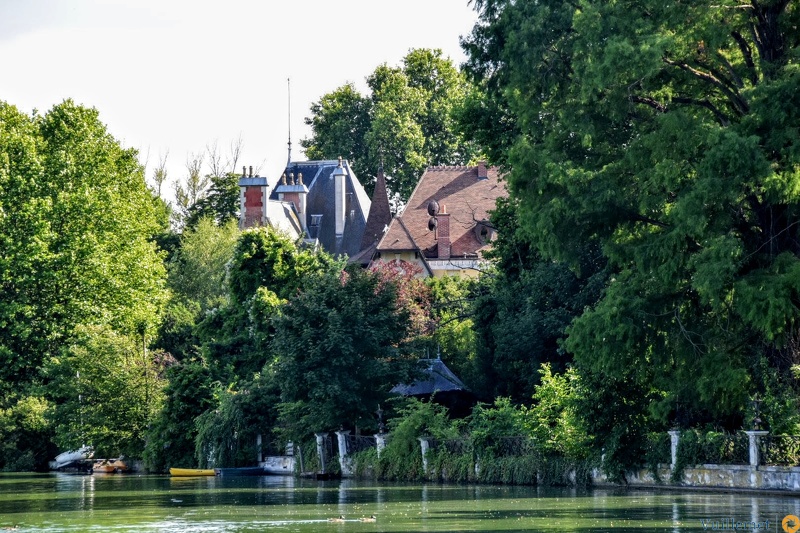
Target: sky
x=173 y=78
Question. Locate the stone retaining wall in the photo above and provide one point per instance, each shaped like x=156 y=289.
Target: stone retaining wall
x=717 y=476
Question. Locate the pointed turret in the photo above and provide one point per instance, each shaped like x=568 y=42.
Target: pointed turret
x=380 y=213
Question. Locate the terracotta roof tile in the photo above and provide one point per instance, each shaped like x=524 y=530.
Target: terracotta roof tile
x=466 y=198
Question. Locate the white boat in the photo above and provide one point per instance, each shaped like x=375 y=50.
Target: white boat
x=67 y=458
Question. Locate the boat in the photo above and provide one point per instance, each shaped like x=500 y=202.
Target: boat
x=242 y=471
x=186 y=472
x=72 y=457
x=109 y=466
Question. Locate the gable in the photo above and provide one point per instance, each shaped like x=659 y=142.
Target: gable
x=465 y=197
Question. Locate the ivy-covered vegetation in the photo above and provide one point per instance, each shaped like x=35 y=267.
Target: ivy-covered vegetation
x=499 y=443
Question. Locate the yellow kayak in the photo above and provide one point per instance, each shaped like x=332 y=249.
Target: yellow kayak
x=191 y=472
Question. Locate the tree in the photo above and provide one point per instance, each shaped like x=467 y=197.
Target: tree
x=106 y=391
x=406 y=123
x=76 y=249
x=189 y=393
x=266 y=269
x=197 y=272
x=192 y=189
x=338 y=351
x=523 y=307
x=665 y=135
x=198 y=282
x=486 y=117
x=214 y=194
x=454 y=338
x=340 y=121
x=220 y=203
x=227 y=435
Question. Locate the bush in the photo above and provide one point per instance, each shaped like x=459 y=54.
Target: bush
x=402 y=459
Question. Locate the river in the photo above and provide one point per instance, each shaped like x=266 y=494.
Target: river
x=149 y=503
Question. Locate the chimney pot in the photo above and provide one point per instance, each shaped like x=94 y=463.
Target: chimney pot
x=251 y=171
x=244 y=171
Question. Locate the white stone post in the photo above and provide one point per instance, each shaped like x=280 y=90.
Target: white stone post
x=380 y=442
x=260 y=456
x=424 y=445
x=674 y=437
x=755 y=438
x=341 y=437
x=321 y=449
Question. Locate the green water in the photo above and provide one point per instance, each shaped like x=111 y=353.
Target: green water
x=62 y=502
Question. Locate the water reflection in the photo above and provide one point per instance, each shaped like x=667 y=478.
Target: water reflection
x=160 y=503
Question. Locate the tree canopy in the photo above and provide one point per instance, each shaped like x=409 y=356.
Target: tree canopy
x=76 y=248
x=338 y=350
x=406 y=123
x=667 y=135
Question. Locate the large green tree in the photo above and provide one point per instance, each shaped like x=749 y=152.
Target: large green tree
x=235 y=340
x=407 y=122
x=76 y=249
x=523 y=307
x=338 y=350
x=666 y=133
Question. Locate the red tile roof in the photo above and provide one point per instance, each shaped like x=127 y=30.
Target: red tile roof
x=465 y=197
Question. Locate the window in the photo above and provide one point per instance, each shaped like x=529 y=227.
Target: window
x=316 y=220
x=484 y=232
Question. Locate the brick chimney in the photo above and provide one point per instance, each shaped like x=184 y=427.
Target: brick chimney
x=482 y=173
x=252 y=199
x=443 y=232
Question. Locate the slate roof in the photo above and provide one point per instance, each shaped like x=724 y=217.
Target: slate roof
x=438 y=378
x=282 y=217
x=378 y=220
x=320 y=201
x=380 y=213
x=466 y=198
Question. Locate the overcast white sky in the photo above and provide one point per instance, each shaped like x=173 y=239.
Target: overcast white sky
x=174 y=76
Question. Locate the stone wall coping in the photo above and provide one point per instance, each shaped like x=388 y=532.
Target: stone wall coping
x=793 y=469
x=738 y=468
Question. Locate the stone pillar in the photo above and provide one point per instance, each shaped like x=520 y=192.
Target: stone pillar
x=674 y=437
x=755 y=438
x=321 y=450
x=424 y=445
x=259 y=457
x=341 y=437
x=380 y=442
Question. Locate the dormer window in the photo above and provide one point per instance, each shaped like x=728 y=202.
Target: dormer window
x=316 y=220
